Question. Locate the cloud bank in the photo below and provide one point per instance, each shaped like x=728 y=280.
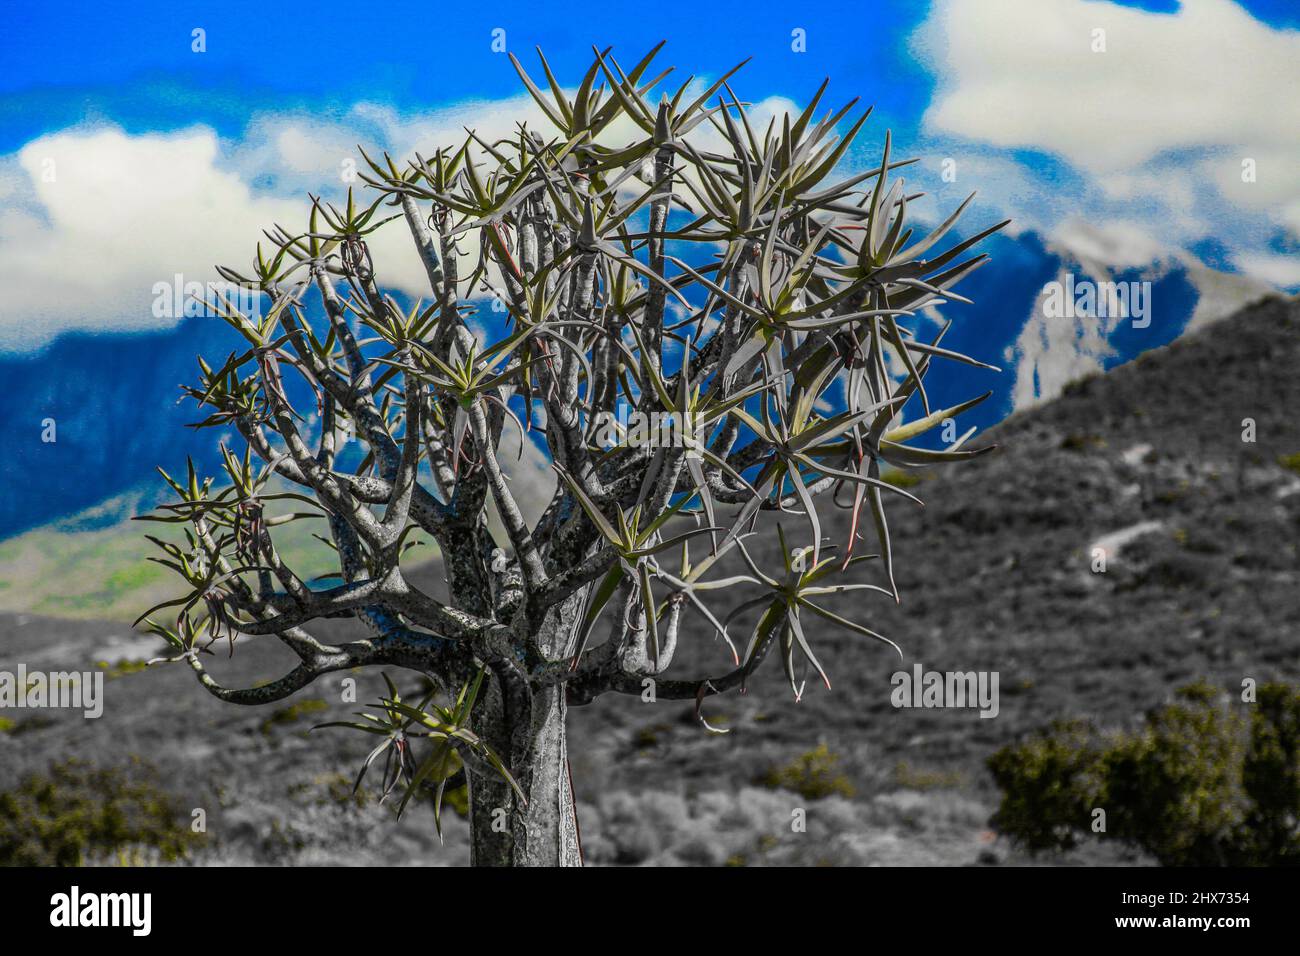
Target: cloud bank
x=92 y=218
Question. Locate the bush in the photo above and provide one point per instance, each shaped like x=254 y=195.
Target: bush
x=812 y=775
x=1198 y=785
x=1075 y=442
x=1271 y=773
x=123 y=668
x=1050 y=783
x=293 y=714
x=78 y=814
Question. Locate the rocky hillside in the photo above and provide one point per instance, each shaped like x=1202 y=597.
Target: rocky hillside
x=1146 y=463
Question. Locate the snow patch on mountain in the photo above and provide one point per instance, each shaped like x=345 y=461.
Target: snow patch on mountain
x=1053 y=350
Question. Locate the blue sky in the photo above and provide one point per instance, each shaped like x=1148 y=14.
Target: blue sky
x=127 y=158
x=132 y=63
x=135 y=67
x=111 y=125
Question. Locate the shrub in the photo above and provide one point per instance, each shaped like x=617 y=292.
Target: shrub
x=910 y=778
x=1271 y=773
x=1049 y=784
x=1076 y=442
x=1198 y=785
x=1174 y=788
x=812 y=775
x=122 y=668
x=293 y=713
x=1080 y=385
x=78 y=814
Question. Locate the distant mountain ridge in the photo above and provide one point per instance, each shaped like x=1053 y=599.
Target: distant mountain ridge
x=113 y=398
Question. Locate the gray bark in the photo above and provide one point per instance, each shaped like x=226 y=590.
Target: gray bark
x=526 y=725
x=545 y=832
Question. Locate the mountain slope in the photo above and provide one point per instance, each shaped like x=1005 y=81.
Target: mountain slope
x=1146 y=462
x=996 y=570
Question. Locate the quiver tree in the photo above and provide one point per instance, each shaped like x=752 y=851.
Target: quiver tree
x=649 y=257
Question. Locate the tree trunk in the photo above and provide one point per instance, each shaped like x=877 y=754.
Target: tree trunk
x=503 y=832
x=528 y=732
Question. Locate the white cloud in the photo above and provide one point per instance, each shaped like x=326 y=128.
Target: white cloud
x=1265 y=180
x=104 y=216
x=949 y=172
x=1052 y=351
x=1023 y=73
x=1112 y=245
x=92 y=218
x=1186 y=124
x=1280 y=270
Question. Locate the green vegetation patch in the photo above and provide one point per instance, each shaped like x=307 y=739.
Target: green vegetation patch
x=77 y=814
x=1202 y=783
x=121 y=668
x=813 y=775
x=1076 y=442
x=293 y=713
